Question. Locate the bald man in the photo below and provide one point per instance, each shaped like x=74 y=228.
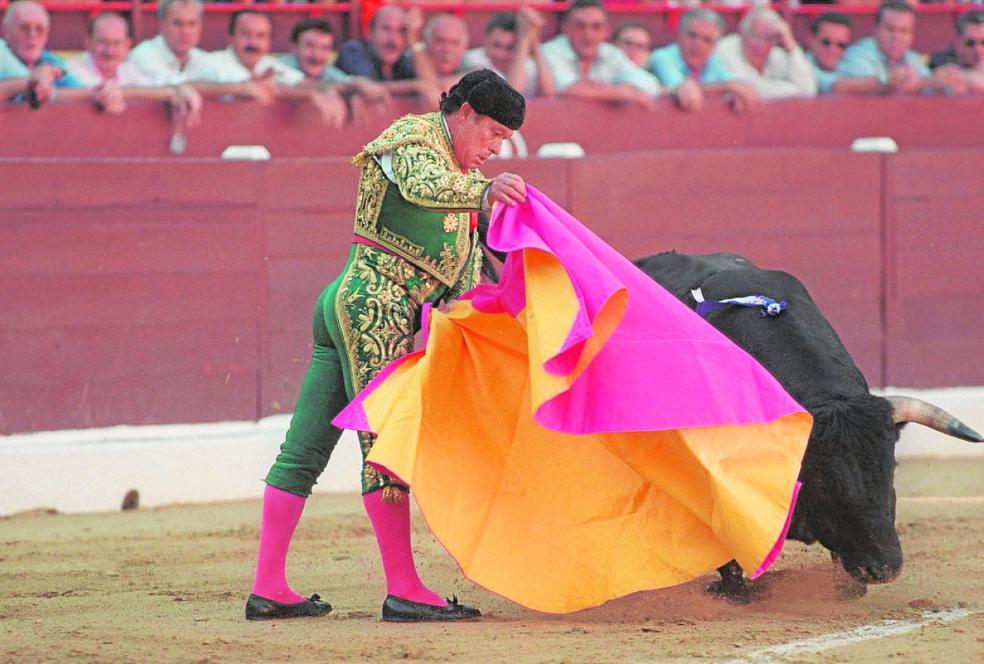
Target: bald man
x=107 y=45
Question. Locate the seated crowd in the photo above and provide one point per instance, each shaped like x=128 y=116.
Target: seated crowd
x=403 y=55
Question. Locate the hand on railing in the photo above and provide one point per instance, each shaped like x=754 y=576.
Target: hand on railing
x=108 y=97
x=262 y=88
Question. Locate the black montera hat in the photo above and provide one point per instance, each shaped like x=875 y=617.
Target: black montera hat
x=489 y=94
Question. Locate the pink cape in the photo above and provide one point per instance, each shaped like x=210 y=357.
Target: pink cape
x=572 y=401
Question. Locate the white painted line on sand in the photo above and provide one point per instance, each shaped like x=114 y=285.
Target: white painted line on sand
x=858 y=634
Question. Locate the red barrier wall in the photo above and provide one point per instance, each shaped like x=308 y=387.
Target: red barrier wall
x=132 y=292
x=294 y=130
x=934 y=298
x=145 y=291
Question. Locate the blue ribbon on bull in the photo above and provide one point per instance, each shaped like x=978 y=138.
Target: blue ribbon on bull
x=769 y=306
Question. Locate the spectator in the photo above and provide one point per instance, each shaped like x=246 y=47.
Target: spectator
x=173 y=56
x=830 y=35
x=383 y=56
x=107 y=44
x=445 y=43
x=635 y=41
x=885 y=63
x=765 y=54
x=512 y=50
x=28 y=70
x=248 y=55
x=103 y=69
x=965 y=57
x=437 y=60
x=247 y=63
x=585 y=66
x=691 y=70
x=312 y=47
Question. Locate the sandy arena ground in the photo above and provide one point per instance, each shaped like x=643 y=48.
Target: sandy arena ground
x=168 y=585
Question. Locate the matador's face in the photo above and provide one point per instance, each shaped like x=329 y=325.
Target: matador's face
x=475 y=137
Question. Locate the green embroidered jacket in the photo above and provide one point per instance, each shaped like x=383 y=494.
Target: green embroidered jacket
x=423 y=216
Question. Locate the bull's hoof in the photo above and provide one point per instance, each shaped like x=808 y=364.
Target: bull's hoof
x=850 y=588
x=736 y=592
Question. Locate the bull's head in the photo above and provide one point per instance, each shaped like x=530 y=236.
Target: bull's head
x=848 y=497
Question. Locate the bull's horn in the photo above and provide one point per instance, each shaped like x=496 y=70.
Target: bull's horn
x=909 y=409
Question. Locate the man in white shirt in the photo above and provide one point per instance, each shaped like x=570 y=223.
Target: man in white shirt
x=173 y=56
x=107 y=44
x=765 y=54
x=103 y=68
x=585 y=66
x=248 y=54
x=247 y=62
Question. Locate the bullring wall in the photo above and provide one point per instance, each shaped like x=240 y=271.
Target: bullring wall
x=151 y=290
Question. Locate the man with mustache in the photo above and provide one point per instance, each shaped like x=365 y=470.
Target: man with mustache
x=383 y=56
x=415 y=243
x=247 y=61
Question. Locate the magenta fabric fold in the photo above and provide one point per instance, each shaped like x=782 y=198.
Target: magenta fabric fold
x=663 y=368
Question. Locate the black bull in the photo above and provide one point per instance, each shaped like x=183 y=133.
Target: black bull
x=847 y=501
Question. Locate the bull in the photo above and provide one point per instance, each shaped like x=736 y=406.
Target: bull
x=847 y=501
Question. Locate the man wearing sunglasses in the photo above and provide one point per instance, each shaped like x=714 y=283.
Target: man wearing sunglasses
x=830 y=35
x=885 y=62
x=965 y=56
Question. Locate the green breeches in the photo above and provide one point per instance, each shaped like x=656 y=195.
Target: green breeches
x=363 y=320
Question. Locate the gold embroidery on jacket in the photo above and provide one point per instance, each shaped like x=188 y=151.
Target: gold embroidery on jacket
x=426 y=168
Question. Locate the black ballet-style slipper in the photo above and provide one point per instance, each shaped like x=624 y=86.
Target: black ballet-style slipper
x=397 y=609
x=261 y=608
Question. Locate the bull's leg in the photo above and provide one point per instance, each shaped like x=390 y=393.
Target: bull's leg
x=733 y=585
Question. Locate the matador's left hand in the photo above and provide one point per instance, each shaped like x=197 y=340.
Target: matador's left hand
x=507 y=188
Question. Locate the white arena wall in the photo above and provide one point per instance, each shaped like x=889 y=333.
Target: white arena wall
x=90 y=470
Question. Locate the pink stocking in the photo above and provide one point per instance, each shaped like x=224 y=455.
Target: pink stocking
x=281 y=512
x=391 y=521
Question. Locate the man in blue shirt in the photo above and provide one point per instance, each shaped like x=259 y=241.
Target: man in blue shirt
x=383 y=56
x=830 y=35
x=885 y=62
x=691 y=70
x=27 y=69
x=965 y=57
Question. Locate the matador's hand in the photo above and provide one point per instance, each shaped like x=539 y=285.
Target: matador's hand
x=507 y=188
